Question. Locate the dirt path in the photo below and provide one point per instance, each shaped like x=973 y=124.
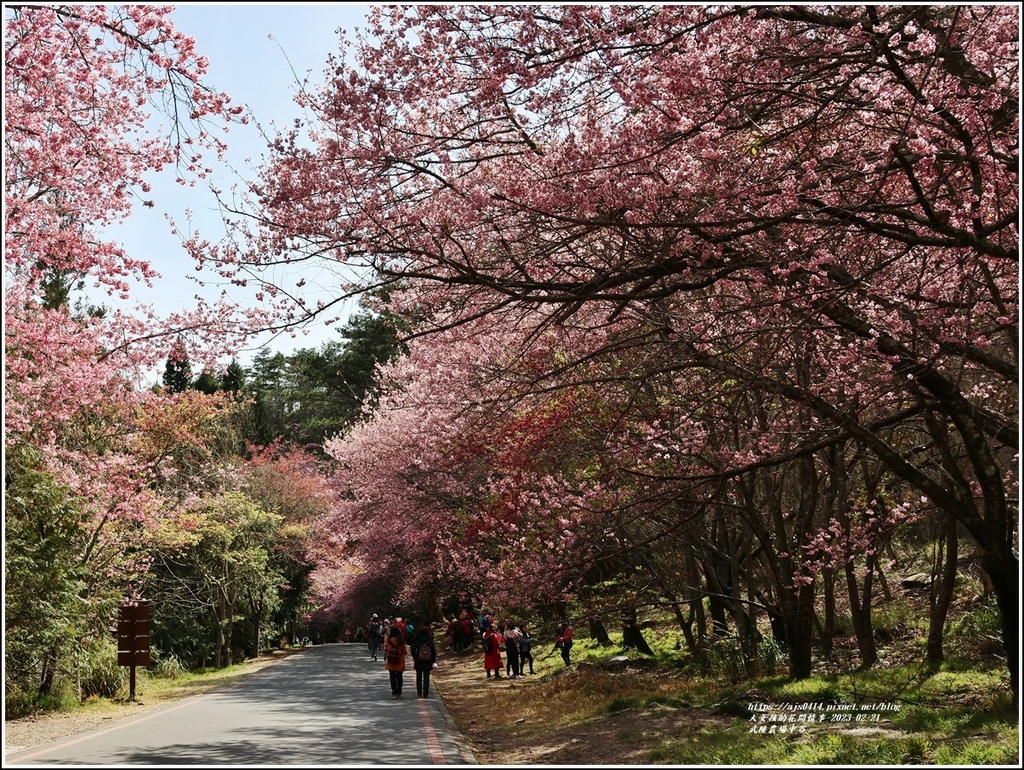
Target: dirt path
x=511 y=722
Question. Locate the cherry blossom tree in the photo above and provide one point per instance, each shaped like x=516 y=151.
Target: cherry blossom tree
x=84 y=89
x=749 y=187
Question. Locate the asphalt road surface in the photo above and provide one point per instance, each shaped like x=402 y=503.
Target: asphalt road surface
x=329 y=706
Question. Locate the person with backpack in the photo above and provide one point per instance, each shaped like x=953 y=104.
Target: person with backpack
x=424 y=655
x=374 y=635
x=492 y=652
x=394 y=659
x=453 y=633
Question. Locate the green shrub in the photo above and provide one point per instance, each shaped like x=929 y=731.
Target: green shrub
x=96 y=670
x=168 y=667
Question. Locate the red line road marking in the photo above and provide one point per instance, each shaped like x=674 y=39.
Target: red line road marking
x=433 y=745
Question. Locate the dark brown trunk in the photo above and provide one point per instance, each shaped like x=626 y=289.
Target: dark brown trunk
x=632 y=636
x=943 y=578
x=860 y=610
x=598 y=632
x=686 y=624
x=1003 y=569
x=828 y=631
x=800 y=622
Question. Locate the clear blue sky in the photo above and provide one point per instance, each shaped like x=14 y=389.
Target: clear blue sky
x=260 y=73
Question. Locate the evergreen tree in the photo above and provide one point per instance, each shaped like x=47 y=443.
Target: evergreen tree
x=207 y=382
x=178 y=372
x=233 y=380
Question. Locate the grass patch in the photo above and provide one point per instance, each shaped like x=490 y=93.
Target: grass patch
x=718 y=745
x=821 y=688
x=956 y=713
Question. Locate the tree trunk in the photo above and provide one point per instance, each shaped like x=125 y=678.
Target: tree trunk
x=258 y=608
x=686 y=624
x=829 y=625
x=219 y=645
x=880 y=574
x=799 y=617
x=719 y=625
x=860 y=610
x=49 y=672
x=1003 y=568
x=943 y=577
x=700 y=619
x=632 y=636
x=598 y=632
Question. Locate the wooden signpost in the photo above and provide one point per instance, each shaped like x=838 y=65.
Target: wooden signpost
x=133 y=640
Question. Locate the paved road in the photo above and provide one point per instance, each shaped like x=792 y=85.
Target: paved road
x=329 y=705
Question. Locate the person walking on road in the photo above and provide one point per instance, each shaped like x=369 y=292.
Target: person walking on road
x=374 y=635
x=424 y=655
x=394 y=659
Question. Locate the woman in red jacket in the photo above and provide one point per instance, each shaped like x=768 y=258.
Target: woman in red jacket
x=492 y=653
x=394 y=659
x=564 y=641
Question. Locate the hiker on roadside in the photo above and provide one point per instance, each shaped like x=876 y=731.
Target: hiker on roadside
x=424 y=656
x=525 y=643
x=564 y=641
x=512 y=636
x=374 y=635
x=453 y=633
x=394 y=659
x=492 y=653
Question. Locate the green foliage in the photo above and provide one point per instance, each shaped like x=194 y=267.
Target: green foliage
x=207 y=382
x=724 y=655
x=20 y=703
x=978 y=626
x=814 y=689
x=168 y=667
x=896 y=619
x=311 y=395
x=1003 y=751
x=958 y=713
x=233 y=380
x=222 y=569
x=615 y=705
x=44 y=611
x=96 y=670
x=178 y=370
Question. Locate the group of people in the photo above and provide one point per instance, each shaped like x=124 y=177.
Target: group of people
x=395 y=639
x=460 y=632
x=517 y=644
